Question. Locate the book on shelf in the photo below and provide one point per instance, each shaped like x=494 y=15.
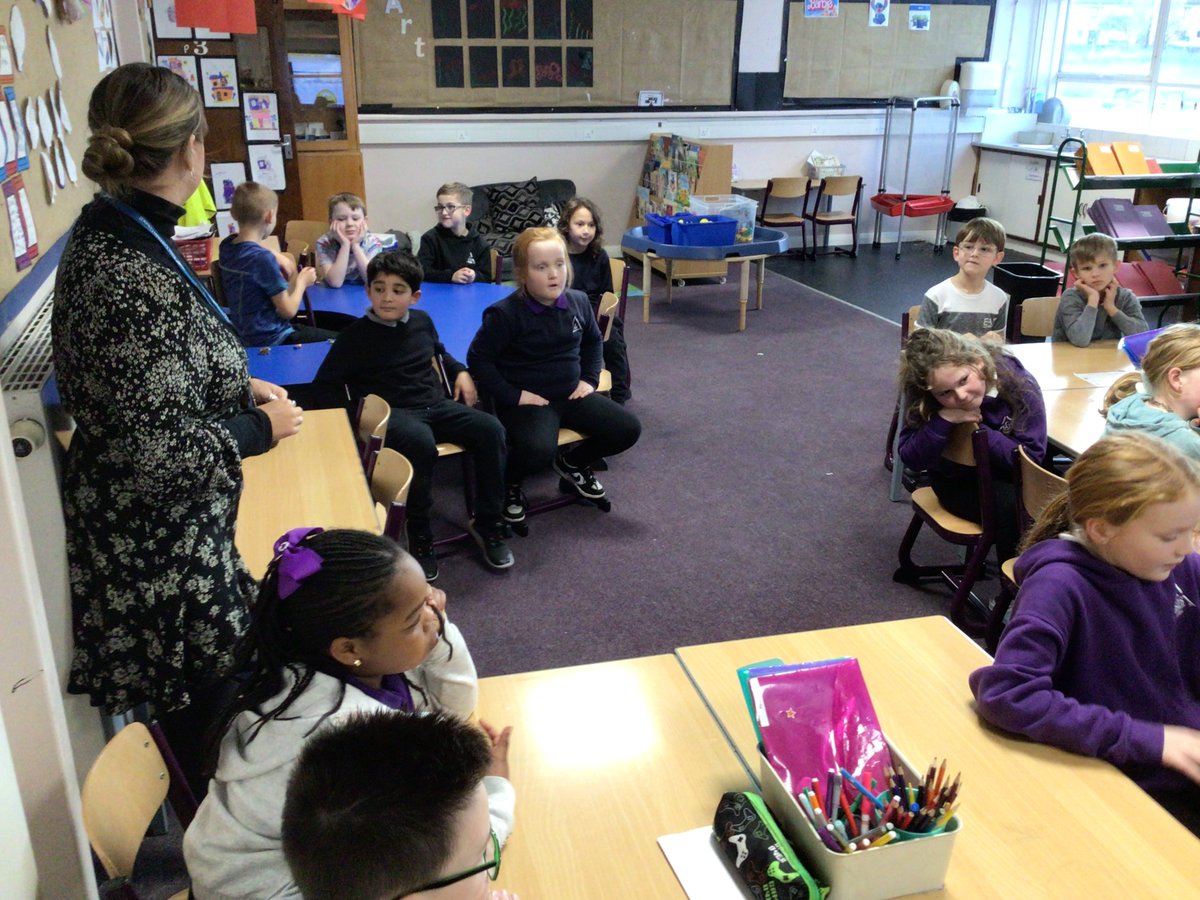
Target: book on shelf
x=1130 y=158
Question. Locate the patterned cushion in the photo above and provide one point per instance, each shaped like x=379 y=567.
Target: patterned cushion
x=514 y=207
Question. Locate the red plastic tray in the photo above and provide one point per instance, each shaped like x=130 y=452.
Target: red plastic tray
x=916 y=205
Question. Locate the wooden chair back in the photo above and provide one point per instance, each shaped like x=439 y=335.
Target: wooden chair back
x=303 y=233
x=390 y=480
x=371 y=428
x=620 y=280
x=908 y=323
x=960 y=445
x=496 y=258
x=609 y=302
x=121 y=794
x=1036 y=487
x=218 y=286
x=1035 y=317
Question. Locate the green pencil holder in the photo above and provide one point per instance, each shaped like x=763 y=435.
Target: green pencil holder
x=901 y=835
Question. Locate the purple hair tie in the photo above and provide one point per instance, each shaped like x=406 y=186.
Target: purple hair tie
x=295 y=563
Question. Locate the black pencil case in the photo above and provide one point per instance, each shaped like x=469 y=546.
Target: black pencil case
x=760 y=854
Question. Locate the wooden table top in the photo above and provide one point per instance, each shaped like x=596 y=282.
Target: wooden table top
x=311 y=478
x=1037 y=822
x=1073 y=420
x=606 y=759
x=1055 y=364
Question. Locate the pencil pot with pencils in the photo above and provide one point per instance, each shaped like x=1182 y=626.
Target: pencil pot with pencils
x=892 y=867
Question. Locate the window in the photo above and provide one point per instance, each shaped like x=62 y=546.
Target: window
x=1131 y=65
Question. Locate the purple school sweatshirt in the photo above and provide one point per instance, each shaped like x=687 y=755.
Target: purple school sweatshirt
x=921 y=446
x=1095 y=661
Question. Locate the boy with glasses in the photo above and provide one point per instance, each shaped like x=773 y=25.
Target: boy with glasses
x=393 y=805
x=453 y=251
x=967 y=302
x=1095 y=307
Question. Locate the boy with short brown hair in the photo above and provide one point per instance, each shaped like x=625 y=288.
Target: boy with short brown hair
x=967 y=302
x=1095 y=307
x=344 y=251
x=453 y=251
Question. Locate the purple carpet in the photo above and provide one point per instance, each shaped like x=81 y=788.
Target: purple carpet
x=755 y=502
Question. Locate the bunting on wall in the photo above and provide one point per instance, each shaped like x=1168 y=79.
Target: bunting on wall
x=356 y=9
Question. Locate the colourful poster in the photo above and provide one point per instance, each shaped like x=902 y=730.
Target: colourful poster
x=878 y=13
x=820 y=9
x=919 y=15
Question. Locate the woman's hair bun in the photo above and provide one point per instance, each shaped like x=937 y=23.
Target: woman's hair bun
x=107 y=155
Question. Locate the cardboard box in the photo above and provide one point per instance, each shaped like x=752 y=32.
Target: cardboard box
x=895 y=869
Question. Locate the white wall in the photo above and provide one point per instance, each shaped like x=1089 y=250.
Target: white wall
x=406 y=158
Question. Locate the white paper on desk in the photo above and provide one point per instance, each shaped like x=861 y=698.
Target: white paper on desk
x=1099 y=379
x=702 y=871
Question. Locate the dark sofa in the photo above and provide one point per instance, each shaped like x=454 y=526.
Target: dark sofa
x=502 y=210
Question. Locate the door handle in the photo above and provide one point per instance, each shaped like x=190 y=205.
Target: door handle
x=286 y=144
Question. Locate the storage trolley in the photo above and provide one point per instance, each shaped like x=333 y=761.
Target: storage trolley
x=904 y=204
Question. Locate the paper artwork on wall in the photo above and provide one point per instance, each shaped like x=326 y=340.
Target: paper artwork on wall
x=20 y=220
x=60 y=165
x=56 y=119
x=260 y=111
x=16 y=30
x=225 y=179
x=45 y=122
x=48 y=173
x=72 y=172
x=8 y=144
x=54 y=60
x=12 y=122
x=102 y=14
x=61 y=106
x=31 y=123
x=266 y=166
x=218 y=78
x=164 y=22
x=203 y=34
x=225 y=224
x=878 y=13
x=919 y=15
x=183 y=66
x=106 y=50
x=6 y=60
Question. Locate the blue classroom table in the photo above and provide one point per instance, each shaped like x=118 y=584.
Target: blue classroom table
x=456 y=309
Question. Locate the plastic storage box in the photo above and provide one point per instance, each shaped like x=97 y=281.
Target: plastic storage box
x=658 y=228
x=826 y=171
x=735 y=206
x=901 y=867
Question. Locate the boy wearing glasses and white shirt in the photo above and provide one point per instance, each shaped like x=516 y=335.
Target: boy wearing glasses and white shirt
x=968 y=303
x=453 y=251
x=390 y=805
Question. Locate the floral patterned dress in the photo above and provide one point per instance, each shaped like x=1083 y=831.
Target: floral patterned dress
x=158 y=385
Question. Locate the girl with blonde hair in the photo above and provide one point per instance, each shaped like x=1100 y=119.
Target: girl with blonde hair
x=1169 y=403
x=950 y=379
x=1102 y=656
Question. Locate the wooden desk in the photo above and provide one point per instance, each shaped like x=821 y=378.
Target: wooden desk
x=606 y=759
x=1055 y=363
x=312 y=478
x=1037 y=822
x=1073 y=420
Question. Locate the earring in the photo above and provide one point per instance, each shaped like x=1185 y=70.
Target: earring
x=357 y=663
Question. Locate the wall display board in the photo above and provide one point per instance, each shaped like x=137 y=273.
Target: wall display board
x=47 y=71
x=447 y=54
x=853 y=56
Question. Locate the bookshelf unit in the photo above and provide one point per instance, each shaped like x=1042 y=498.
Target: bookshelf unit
x=1068 y=167
x=675 y=168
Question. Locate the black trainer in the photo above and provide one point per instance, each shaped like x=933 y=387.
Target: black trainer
x=421 y=547
x=581 y=478
x=490 y=538
x=514 y=505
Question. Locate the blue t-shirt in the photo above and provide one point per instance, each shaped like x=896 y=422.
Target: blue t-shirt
x=251 y=277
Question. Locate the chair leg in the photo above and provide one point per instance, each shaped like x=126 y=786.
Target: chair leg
x=909 y=571
x=964 y=583
x=888 y=460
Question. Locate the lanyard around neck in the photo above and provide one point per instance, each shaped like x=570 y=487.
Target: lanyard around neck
x=180 y=264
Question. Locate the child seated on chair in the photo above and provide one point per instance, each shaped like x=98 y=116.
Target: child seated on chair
x=591 y=272
x=1169 y=407
x=948 y=379
x=344 y=623
x=390 y=352
x=967 y=302
x=390 y=804
x=452 y=250
x=1102 y=656
x=537 y=355
x=1095 y=307
x=263 y=288
x=344 y=251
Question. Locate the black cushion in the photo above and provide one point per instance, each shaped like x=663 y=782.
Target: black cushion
x=514 y=206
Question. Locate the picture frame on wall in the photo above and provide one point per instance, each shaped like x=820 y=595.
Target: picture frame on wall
x=260 y=115
x=218 y=82
x=183 y=66
x=165 y=28
x=225 y=179
x=266 y=166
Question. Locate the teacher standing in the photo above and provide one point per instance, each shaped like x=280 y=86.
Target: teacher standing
x=165 y=411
